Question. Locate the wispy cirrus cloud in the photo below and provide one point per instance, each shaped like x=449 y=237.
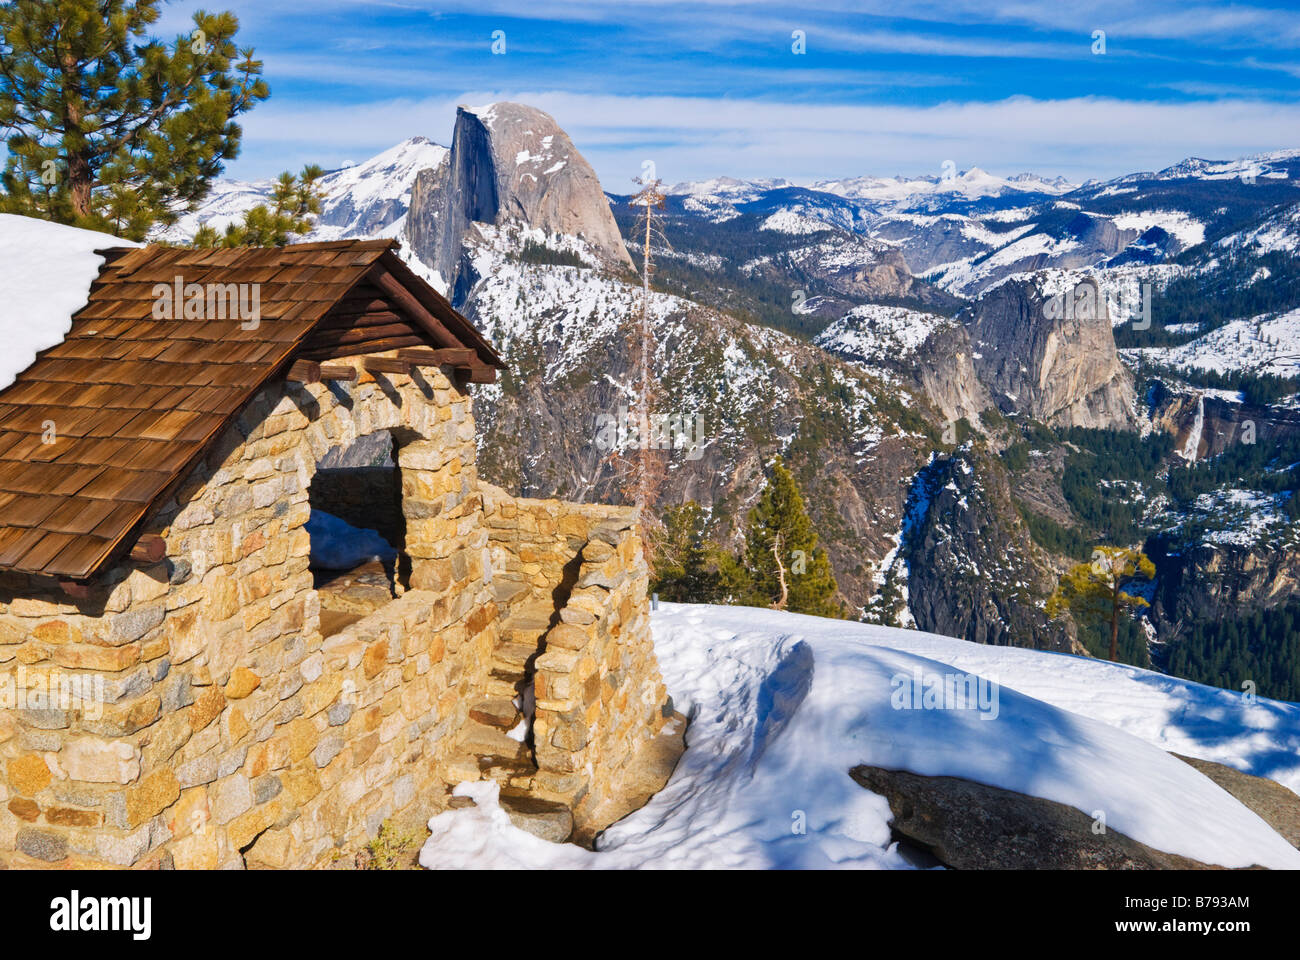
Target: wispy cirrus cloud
x=716 y=86
x=691 y=138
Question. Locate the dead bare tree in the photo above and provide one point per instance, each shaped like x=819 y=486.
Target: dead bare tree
x=780 y=574
x=642 y=470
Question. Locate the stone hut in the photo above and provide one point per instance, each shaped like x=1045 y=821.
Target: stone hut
x=181 y=685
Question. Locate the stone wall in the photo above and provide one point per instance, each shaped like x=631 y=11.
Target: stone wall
x=599 y=694
x=231 y=732
x=219 y=728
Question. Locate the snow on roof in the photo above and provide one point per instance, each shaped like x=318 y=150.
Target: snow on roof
x=48 y=269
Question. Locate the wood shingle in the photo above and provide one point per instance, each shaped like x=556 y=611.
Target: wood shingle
x=101 y=427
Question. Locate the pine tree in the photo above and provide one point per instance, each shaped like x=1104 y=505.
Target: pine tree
x=294 y=203
x=1095 y=591
x=109 y=128
x=685 y=568
x=787 y=570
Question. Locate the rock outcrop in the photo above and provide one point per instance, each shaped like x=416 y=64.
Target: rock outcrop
x=1206 y=425
x=973 y=826
x=1275 y=804
x=1055 y=365
x=975 y=573
x=945 y=371
x=1213 y=581
x=509 y=164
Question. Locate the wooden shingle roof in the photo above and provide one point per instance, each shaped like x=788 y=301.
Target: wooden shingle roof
x=132 y=402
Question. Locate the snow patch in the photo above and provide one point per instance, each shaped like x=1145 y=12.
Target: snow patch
x=48 y=272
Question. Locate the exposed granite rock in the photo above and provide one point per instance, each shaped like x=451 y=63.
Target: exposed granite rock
x=1273 y=803
x=509 y=163
x=945 y=370
x=975 y=573
x=973 y=826
x=1062 y=370
x=1210 y=581
x=1205 y=426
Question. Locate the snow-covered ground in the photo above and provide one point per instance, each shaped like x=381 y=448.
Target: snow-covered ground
x=876 y=334
x=783 y=705
x=1189 y=231
x=48 y=269
x=1270 y=343
x=337 y=545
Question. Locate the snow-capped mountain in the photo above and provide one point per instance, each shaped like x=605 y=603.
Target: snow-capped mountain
x=894 y=339
x=970 y=184
x=728 y=188
x=967 y=231
x=367 y=199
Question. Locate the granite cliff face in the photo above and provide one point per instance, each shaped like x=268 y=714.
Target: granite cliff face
x=1206 y=425
x=944 y=369
x=1046 y=361
x=508 y=164
x=1213 y=581
x=973 y=570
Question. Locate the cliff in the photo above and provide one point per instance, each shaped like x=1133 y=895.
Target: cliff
x=1055 y=365
x=508 y=164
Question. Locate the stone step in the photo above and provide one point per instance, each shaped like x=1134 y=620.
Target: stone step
x=511 y=655
x=504 y=683
x=531 y=610
x=523 y=631
x=507 y=591
x=542 y=818
x=481 y=741
x=513 y=775
x=499 y=712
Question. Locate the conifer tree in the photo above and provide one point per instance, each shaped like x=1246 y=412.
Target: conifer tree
x=1095 y=591
x=685 y=569
x=109 y=128
x=294 y=203
x=786 y=568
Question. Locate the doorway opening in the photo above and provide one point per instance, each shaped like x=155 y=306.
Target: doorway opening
x=357 y=529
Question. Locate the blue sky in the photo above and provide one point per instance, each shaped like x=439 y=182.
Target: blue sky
x=712 y=87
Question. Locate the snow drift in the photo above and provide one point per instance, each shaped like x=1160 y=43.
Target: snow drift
x=337 y=545
x=783 y=705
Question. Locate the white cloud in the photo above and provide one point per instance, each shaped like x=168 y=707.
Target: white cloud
x=693 y=138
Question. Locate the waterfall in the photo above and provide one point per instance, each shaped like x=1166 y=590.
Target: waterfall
x=1193 y=441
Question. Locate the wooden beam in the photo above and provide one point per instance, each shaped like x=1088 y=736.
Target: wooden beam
x=369 y=318
x=304 y=371
x=330 y=338
x=364 y=301
x=394 y=290
x=78 y=591
x=386 y=365
x=337 y=371
x=447 y=356
x=149 y=549
x=327 y=352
